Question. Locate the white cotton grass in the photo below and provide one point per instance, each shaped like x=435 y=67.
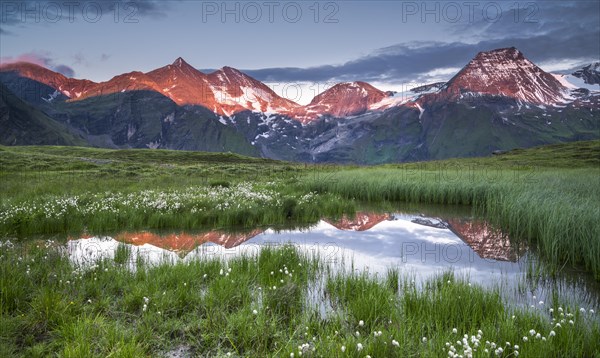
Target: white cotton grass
x=245 y=195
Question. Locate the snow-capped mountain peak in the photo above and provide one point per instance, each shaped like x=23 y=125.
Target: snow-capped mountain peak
x=179 y=62
x=345 y=99
x=506 y=72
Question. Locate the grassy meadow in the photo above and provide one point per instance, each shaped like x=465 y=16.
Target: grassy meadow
x=547 y=196
x=281 y=302
x=255 y=306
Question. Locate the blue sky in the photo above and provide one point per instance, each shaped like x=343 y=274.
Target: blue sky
x=388 y=43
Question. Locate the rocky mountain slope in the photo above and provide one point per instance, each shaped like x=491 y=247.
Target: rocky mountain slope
x=500 y=100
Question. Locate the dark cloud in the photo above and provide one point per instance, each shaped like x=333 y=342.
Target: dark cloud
x=65 y=70
x=42 y=59
x=545 y=31
x=407 y=63
x=48 y=11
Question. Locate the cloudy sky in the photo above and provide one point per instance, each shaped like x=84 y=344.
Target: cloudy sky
x=392 y=44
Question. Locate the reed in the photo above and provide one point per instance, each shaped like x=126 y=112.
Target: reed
x=240 y=307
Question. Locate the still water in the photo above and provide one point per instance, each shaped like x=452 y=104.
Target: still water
x=419 y=246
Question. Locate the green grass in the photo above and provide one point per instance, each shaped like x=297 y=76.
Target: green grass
x=555 y=209
x=212 y=307
x=547 y=196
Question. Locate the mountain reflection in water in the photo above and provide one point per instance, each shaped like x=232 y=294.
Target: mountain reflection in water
x=418 y=246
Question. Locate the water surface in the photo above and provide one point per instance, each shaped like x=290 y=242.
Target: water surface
x=418 y=246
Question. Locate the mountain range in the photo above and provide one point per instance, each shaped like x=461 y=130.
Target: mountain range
x=500 y=100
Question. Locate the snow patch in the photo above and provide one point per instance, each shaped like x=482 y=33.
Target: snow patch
x=421 y=110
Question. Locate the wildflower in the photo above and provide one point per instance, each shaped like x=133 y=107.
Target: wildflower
x=532 y=332
x=205 y=275
x=357 y=333
x=525 y=339
x=454 y=330
x=343 y=349
x=544 y=339
x=395 y=343
x=424 y=339
x=221 y=272
x=361 y=323
x=582 y=310
x=359 y=347
x=516 y=353
x=538 y=336
x=254 y=312
x=571 y=322
x=541 y=303
x=292 y=355
x=551 y=310
x=552 y=334
x=558 y=325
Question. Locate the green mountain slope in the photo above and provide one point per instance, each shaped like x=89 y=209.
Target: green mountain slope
x=23 y=124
